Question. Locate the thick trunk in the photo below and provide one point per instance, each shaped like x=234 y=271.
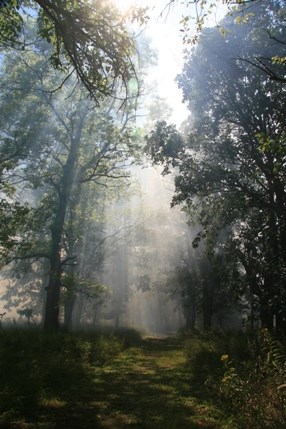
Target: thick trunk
x=51 y=321
x=71 y=281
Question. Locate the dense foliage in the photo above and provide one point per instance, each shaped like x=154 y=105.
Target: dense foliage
x=230 y=171
x=63 y=150
x=243 y=373
x=39 y=371
x=89 y=38
x=223 y=381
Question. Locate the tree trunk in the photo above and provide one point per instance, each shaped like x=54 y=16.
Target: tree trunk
x=69 y=307
x=208 y=292
x=190 y=315
x=190 y=320
x=267 y=307
x=267 y=320
x=51 y=321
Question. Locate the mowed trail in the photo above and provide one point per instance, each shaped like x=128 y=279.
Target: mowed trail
x=148 y=387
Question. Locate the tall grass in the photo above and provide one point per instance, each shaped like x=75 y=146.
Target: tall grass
x=244 y=373
x=37 y=367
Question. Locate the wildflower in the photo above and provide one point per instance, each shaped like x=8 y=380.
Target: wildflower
x=224 y=358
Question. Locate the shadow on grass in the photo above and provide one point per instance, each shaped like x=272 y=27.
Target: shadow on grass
x=145 y=386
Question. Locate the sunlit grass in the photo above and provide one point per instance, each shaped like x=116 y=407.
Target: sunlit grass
x=107 y=381
x=53 y=402
x=154 y=390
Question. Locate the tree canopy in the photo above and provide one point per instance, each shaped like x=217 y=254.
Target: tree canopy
x=230 y=173
x=66 y=69
x=56 y=152
x=89 y=38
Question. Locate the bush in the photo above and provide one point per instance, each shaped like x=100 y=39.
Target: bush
x=128 y=336
x=255 y=389
x=244 y=373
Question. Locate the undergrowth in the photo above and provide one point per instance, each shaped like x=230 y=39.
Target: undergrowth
x=223 y=380
x=37 y=367
x=244 y=373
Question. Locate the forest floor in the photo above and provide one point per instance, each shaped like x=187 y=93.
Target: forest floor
x=146 y=386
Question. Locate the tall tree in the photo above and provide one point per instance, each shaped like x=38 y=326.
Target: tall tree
x=232 y=169
x=86 y=39
x=68 y=146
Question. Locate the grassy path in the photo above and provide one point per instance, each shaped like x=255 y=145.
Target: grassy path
x=95 y=381
x=147 y=387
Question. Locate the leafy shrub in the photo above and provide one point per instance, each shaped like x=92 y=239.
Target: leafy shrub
x=244 y=373
x=104 y=349
x=255 y=389
x=128 y=336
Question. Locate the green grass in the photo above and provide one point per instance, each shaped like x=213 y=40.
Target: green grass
x=115 y=381
x=147 y=386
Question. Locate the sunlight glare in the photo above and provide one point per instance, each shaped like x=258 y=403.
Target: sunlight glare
x=124 y=5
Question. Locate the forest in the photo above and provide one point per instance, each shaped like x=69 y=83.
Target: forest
x=142 y=261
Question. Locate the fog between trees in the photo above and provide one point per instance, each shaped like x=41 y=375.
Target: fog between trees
x=88 y=235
